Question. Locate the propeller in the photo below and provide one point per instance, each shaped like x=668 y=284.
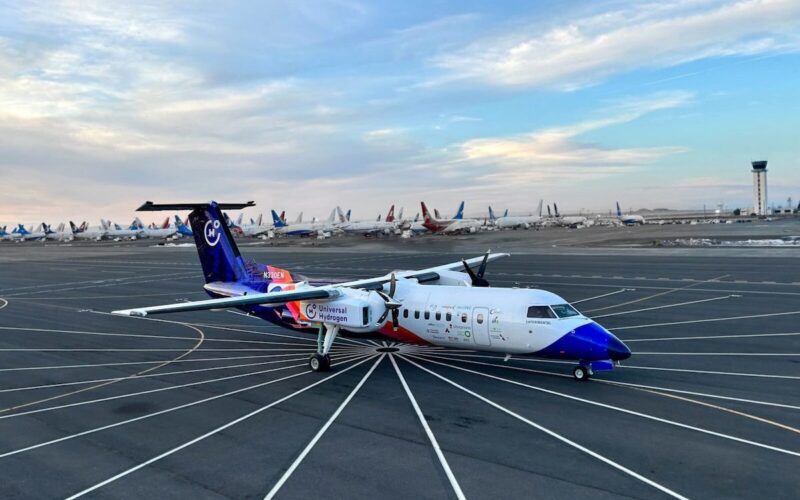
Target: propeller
x=477 y=278
x=392 y=306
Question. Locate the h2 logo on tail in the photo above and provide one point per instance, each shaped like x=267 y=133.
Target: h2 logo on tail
x=212 y=232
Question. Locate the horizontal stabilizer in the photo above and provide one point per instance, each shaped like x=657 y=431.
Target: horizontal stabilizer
x=149 y=206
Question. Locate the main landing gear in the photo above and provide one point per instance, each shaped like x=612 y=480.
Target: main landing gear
x=320 y=361
x=582 y=373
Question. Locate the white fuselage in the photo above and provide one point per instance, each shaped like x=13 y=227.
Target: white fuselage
x=525 y=221
x=462 y=225
x=158 y=233
x=488 y=319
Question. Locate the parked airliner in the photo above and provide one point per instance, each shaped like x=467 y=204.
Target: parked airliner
x=449 y=305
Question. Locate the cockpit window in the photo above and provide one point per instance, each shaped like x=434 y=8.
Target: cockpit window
x=540 y=312
x=565 y=311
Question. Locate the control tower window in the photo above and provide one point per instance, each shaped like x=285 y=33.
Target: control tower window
x=540 y=312
x=565 y=311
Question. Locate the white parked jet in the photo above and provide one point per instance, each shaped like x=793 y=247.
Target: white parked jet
x=517 y=221
x=365 y=228
x=449 y=305
x=457 y=224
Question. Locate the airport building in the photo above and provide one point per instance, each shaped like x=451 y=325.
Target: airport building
x=760 y=187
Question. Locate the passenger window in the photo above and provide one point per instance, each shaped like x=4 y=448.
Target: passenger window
x=480 y=319
x=540 y=312
x=416 y=314
x=463 y=317
x=438 y=316
x=405 y=313
x=449 y=317
x=427 y=315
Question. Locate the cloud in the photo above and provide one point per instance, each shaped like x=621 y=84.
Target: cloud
x=558 y=150
x=592 y=48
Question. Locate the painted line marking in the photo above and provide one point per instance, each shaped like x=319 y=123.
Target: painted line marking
x=713 y=337
x=613 y=382
x=664 y=306
x=624 y=410
x=708 y=320
x=603 y=295
x=154 y=414
x=322 y=430
x=547 y=431
x=212 y=432
x=431 y=437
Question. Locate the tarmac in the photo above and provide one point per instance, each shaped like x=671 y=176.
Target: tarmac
x=221 y=405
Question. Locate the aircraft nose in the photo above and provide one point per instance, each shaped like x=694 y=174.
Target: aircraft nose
x=617 y=350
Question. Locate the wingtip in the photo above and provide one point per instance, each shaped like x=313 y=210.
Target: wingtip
x=130 y=312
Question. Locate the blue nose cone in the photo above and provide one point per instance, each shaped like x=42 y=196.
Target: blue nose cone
x=616 y=349
x=589 y=342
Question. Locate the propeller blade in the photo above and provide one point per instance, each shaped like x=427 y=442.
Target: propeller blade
x=469 y=271
x=482 y=269
x=392 y=285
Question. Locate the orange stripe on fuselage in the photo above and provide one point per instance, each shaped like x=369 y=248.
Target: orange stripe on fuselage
x=402 y=335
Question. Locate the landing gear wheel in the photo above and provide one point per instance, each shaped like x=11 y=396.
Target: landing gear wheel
x=581 y=373
x=319 y=363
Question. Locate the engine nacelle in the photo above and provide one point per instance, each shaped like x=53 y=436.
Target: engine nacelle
x=355 y=310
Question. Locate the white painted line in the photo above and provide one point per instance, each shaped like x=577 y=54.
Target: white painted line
x=547 y=431
x=713 y=337
x=97 y=365
x=442 y=460
x=730 y=318
x=160 y=389
x=147 y=350
x=139 y=335
x=149 y=375
x=562 y=375
x=322 y=430
x=634 y=367
x=600 y=296
x=663 y=307
x=793 y=354
x=624 y=410
x=211 y=433
x=668 y=291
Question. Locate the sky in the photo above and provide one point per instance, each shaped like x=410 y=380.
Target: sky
x=308 y=105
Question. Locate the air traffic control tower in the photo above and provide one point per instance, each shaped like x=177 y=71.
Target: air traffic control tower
x=760 y=187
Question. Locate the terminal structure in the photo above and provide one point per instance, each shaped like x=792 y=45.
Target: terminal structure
x=760 y=187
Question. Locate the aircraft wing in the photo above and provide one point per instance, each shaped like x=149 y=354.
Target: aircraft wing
x=254 y=298
x=311 y=293
x=423 y=275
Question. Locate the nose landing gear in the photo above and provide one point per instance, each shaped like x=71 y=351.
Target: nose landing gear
x=582 y=373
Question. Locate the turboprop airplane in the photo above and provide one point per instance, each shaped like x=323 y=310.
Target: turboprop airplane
x=449 y=226
x=449 y=305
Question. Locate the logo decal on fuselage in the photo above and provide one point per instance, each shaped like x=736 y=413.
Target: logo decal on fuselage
x=212 y=232
x=311 y=311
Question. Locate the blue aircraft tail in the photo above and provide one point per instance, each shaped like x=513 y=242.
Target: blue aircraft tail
x=491 y=214
x=619 y=212
x=219 y=255
x=460 y=213
x=276 y=220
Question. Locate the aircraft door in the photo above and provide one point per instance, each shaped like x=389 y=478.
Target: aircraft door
x=480 y=326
